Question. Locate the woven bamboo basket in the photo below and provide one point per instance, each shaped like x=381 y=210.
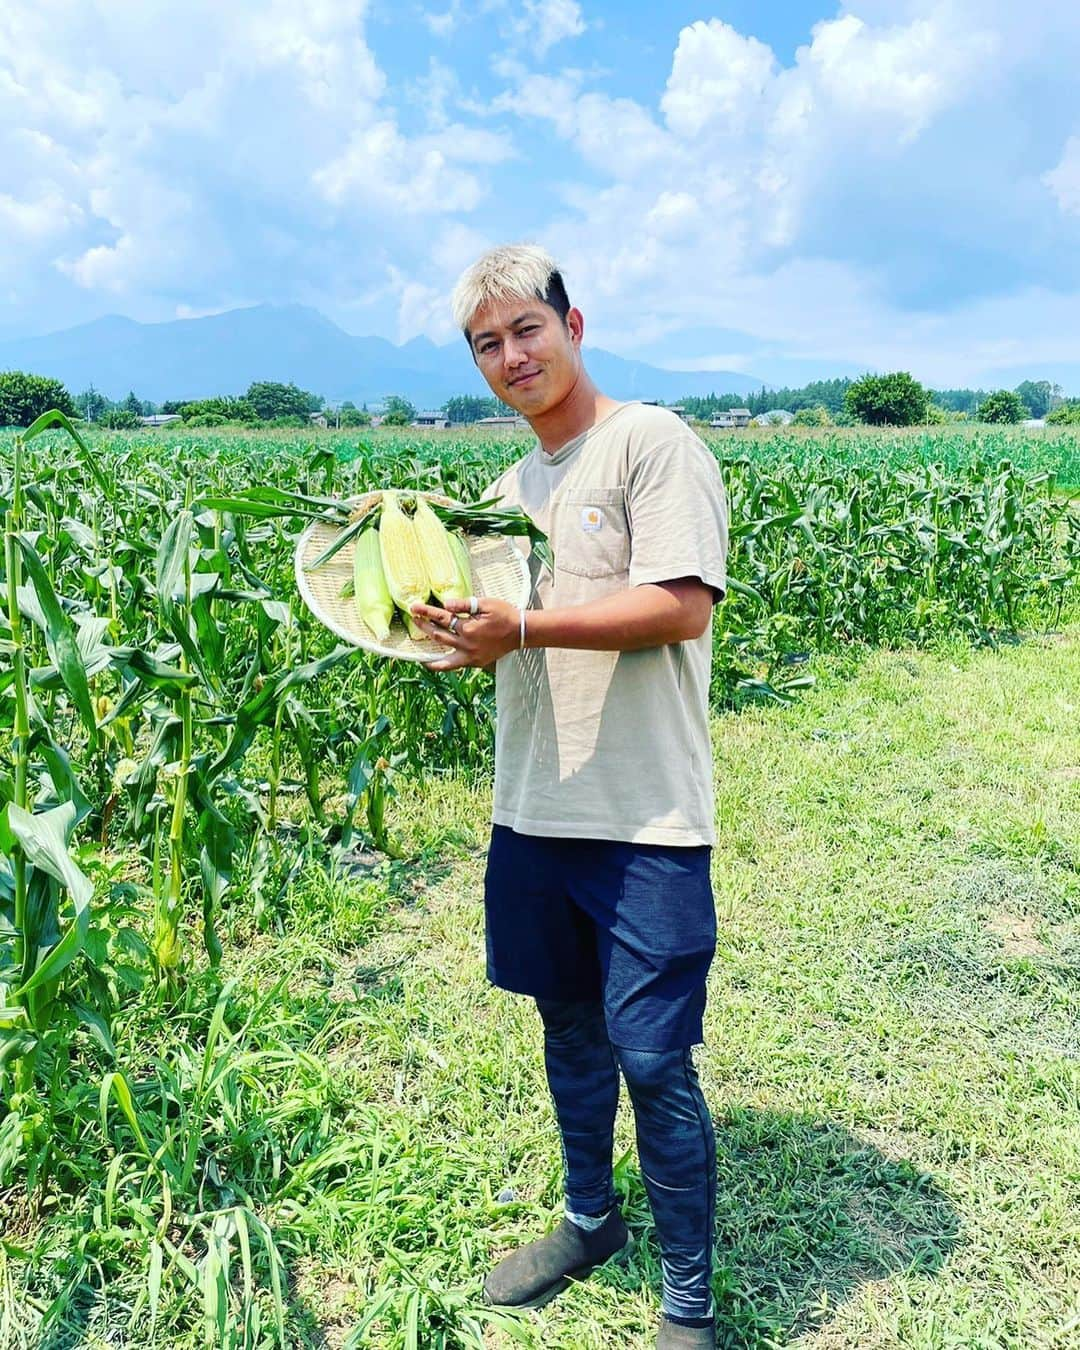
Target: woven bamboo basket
x=499 y=570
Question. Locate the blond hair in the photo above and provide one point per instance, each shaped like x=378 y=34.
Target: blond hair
x=509 y=272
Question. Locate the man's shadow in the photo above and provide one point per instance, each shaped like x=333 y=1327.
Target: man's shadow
x=805 y=1213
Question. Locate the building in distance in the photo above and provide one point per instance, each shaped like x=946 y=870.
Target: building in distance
x=733 y=417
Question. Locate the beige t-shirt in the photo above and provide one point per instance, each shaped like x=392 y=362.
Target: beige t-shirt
x=613 y=745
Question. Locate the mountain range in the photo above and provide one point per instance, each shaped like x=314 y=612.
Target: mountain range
x=224 y=353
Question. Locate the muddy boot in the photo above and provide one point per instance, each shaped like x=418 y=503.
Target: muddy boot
x=538 y=1271
x=675 y=1336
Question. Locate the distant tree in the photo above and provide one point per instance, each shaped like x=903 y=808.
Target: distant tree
x=281 y=400
x=1001 y=406
x=397 y=407
x=221 y=409
x=958 y=400
x=827 y=394
x=23 y=398
x=470 y=408
x=1065 y=414
x=813 y=417
x=119 y=419
x=1039 y=395
x=353 y=417
x=895 y=400
x=133 y=404
x=90 y=404
x=704 y=407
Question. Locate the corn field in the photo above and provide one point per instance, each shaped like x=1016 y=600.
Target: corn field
x=184 y=742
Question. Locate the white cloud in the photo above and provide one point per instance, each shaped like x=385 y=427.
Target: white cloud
x=1064 y=180
x=380 y=167
x=170 y=154
x=718 y=80
x=674 y=214
x=151 y=221
x=443 y=23
x=455 y=247
x=704 y=202
x=434 y=92
x=813 y=308
x=471 y=145
x=542 y=23
x=181 y=156
x=553 y=98
x=745 y=143
x=46 y=213
x=902 y=76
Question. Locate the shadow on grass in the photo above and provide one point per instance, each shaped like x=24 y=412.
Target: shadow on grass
x=406 y=879
x=806 y=1213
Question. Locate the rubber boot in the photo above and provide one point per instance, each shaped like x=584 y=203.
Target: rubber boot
x=535 y=1273
x=674 y=1336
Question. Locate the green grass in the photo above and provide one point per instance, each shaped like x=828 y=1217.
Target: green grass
x=892 y=1056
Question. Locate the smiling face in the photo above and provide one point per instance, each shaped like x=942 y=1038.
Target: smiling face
x=529 y=356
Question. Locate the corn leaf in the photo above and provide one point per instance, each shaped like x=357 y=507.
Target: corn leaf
x=54 y=417
x=266 y=503
x=171 y=561
x=44 y=839
x=60 y=639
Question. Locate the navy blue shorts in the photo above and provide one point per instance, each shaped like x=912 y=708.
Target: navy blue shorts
x=631 y=925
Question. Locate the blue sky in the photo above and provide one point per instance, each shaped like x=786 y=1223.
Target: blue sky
x=787 y=189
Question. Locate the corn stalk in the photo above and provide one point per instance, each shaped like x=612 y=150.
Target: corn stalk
x=173 y=584
x=48 y=919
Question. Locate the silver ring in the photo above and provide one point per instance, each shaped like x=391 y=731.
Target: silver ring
x=474 y=605
x=452 y=626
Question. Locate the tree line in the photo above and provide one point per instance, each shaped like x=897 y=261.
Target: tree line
x=895 y=399
x=23 y=397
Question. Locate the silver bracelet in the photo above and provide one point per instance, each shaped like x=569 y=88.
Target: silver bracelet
x=521 y=630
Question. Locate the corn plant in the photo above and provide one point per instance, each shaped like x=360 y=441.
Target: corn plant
x=44 y=895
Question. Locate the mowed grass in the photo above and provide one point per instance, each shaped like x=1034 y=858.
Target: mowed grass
x=893 y=1042
x=892 y=1055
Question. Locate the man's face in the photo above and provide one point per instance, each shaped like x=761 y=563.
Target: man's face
x=530 y=358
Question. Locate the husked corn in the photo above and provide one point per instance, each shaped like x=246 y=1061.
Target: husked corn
x=374 y=603
x=403 y=563
x=461 y=552
x=440 y=560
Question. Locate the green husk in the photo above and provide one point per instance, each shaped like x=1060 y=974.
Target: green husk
x=481 y=519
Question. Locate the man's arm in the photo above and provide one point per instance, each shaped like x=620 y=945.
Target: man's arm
x=650 y=615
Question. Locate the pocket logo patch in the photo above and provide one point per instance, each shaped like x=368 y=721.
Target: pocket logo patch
x=591 y=519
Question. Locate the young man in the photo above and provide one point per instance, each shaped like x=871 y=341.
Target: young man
x=597 y=895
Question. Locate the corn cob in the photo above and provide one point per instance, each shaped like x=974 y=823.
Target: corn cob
x=403 y=563
x=374 y=603
x=440 y=558
x=461 y=551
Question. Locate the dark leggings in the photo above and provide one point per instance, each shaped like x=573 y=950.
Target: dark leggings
x=676 y=1147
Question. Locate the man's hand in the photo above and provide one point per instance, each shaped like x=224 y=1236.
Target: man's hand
x=650 y=615
x=478 y=639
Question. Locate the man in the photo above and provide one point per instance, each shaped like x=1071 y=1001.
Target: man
x=597 y=895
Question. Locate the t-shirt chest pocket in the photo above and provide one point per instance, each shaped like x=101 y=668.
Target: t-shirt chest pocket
x=592 y=537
